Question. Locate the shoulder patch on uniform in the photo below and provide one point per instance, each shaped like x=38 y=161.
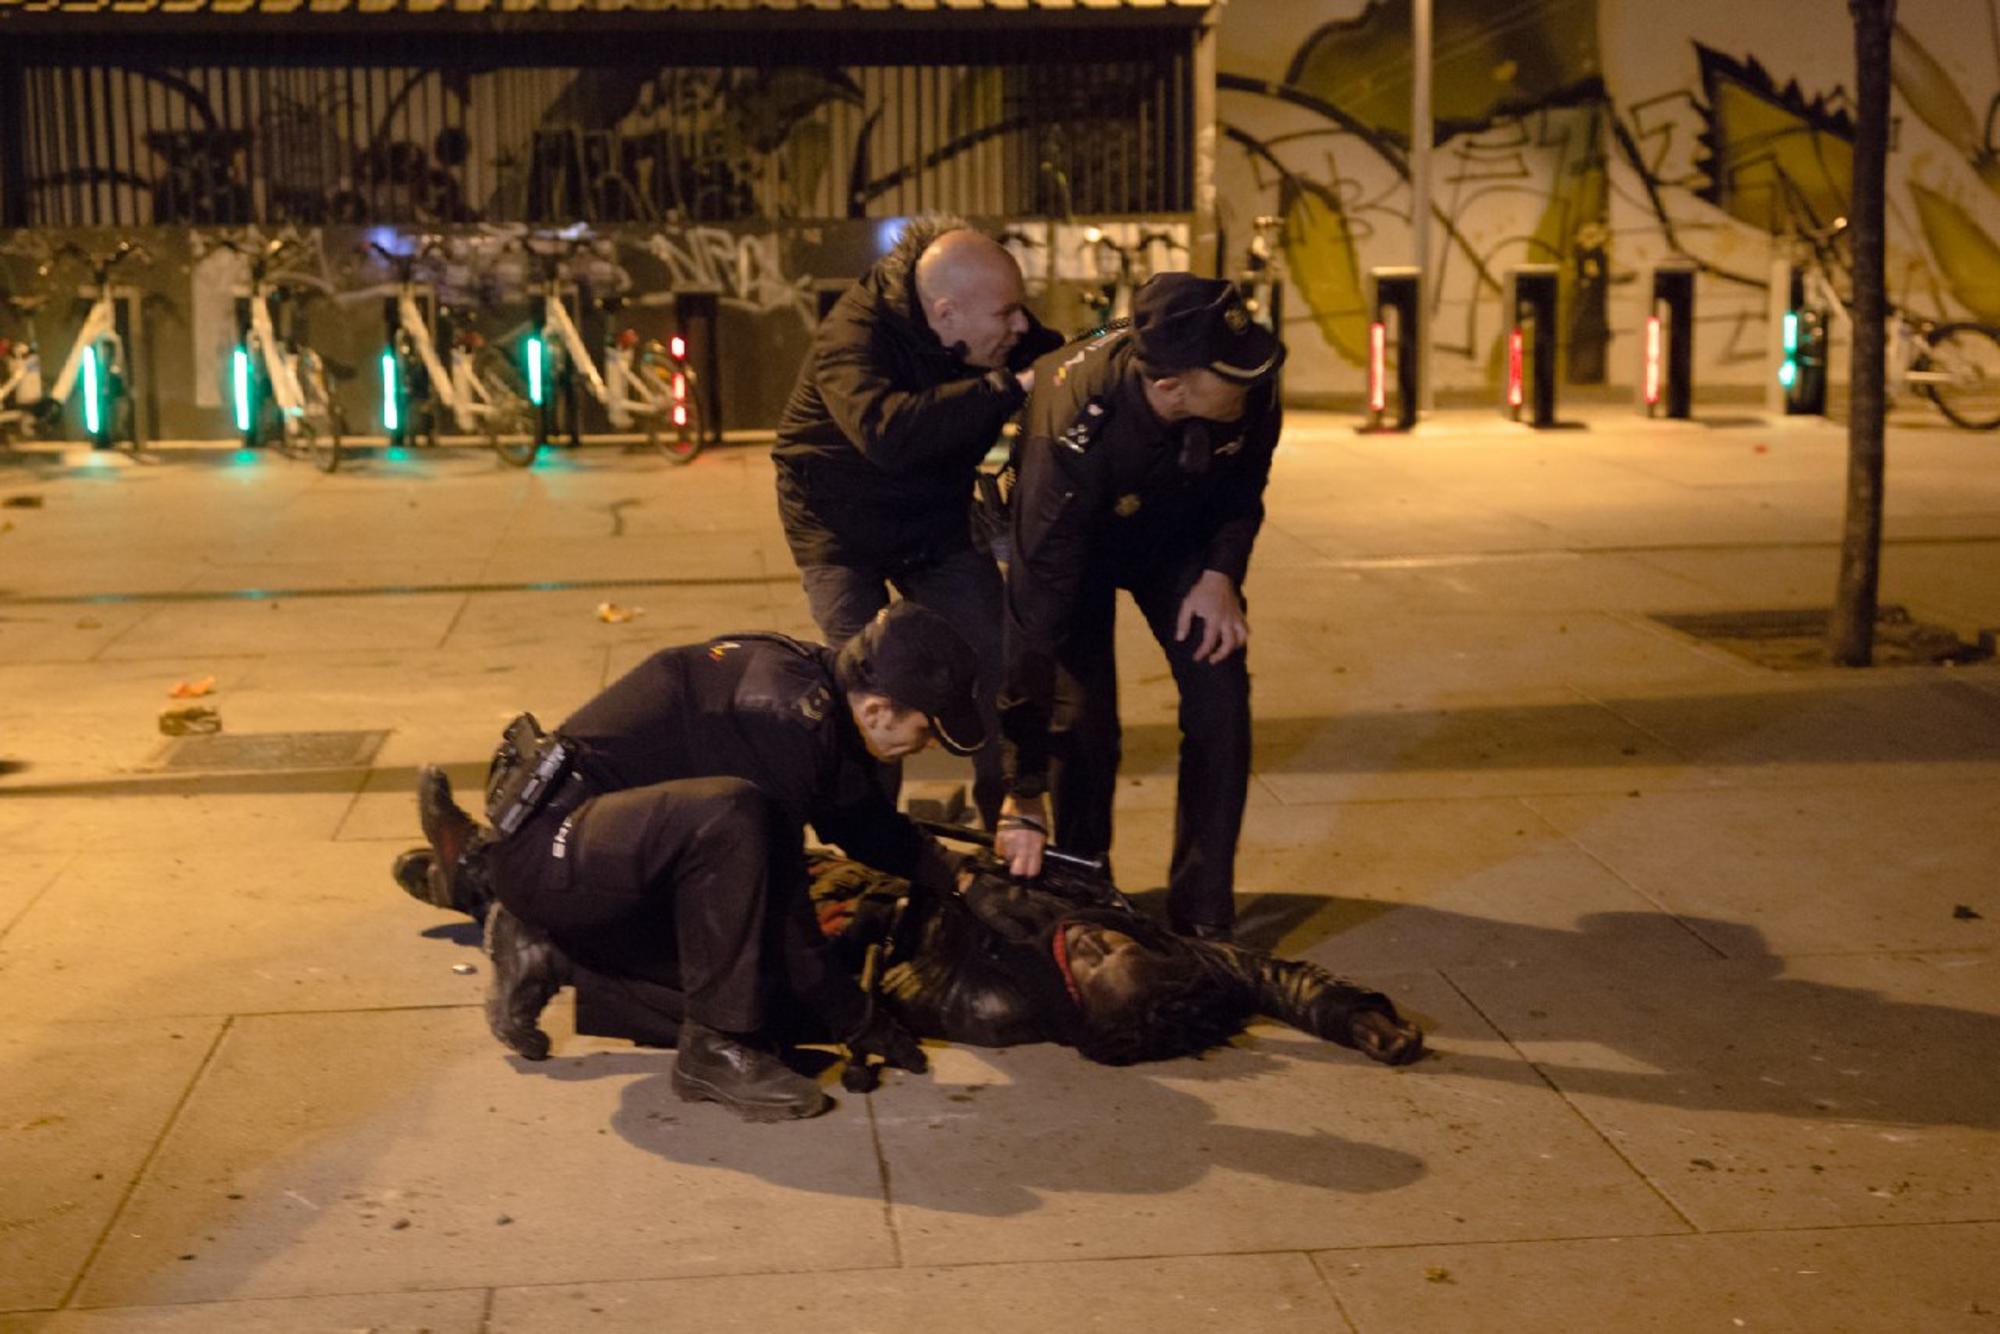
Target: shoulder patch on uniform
x=815 y=702
x=1090 y=419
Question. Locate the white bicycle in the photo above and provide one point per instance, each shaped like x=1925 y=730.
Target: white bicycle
x=95 y=369
x=469 y=380
x=643 y=384
x=277 y=383
x=20 y=374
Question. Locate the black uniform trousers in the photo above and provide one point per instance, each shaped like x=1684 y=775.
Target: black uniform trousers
x=1214 y=725
x=683 y=899
x=963 y=586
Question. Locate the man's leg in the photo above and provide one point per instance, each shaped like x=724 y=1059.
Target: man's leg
x=727 y=860
x=965 y=589
x=843 y=598
x=1215 y=759
x=1085 y=748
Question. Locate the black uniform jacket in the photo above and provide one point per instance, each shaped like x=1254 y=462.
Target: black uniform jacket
x=766 y=709
x=1107 y=491
x=885 y=426
x=955 y=976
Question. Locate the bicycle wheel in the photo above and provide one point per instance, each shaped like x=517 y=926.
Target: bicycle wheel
x=510 y=420
x=679 y=440
x=1969 y=355
x=319 y=426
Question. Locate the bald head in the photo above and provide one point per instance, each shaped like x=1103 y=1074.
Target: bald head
x=971 y=292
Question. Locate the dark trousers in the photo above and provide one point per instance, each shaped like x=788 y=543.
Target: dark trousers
x=1215 y=739
x=961 y=586
x=683 y=899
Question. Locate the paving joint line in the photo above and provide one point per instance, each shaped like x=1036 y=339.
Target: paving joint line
x=1332 y=1295
x=888 y=1191
x=1591 y=855
x=37 y=896
x=486 y=1311
x=1312 y=1255
x=145 y=1164
x=1595 y=1129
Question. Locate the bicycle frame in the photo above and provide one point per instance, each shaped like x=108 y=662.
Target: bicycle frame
x=627 y=398
x=91 y=365
x=280 y=368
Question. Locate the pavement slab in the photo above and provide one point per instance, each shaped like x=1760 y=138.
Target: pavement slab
x=1280 y=1142
x=1792 y=871
x=1398 y=886
x=256 y=627
x=1857 y=1280
x=375 y=1313
x=1258 y=1294
x=81 y=1106
x=402 y=1150
x=315 y=927
x=1769 y=1093
x=1463 y=745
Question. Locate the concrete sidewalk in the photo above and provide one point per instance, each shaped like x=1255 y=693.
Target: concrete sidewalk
x=1705 y=951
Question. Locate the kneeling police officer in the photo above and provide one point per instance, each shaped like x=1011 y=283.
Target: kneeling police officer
x=650 y=851
x=1141 y=466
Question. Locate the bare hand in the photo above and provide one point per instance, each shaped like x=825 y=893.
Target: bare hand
x=1026 y=379
x=1213 y=601
x=1018 y=841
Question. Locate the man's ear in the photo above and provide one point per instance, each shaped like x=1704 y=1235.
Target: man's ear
x=872 y=710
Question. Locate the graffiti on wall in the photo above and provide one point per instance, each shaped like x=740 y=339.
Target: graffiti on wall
x=1585 y=134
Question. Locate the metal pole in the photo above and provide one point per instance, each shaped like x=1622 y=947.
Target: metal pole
x=1420 y=191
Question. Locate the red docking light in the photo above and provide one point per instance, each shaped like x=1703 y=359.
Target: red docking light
x=1514 y=367
x=1378 y=366
x=677 y=348
x=1652 y=360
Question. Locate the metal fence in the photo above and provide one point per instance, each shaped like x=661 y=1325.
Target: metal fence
x=130 y=145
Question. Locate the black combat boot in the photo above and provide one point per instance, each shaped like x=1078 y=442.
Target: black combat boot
x=454 y=876
x=757 y=1086
x=528 y=970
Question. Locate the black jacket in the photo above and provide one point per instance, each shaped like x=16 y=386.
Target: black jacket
x=1107 y=491
x=885 y=426
x=954 y=975
x=766 y=709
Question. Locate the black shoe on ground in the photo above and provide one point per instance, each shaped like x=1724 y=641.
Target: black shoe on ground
x=1209 y=931
x=528 y=970
x=456 y=875
x=757 y=1086
x=417 y=871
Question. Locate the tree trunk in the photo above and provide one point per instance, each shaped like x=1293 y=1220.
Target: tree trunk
x=1851 y=631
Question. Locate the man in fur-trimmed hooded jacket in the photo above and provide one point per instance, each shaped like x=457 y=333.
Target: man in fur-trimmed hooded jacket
x=909 y=380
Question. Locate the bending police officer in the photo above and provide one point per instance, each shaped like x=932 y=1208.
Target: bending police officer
x=662 y=872
x=1142 y=466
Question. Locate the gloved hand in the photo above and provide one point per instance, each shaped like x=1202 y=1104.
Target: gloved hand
x=889 y=1042
x=1006 y=906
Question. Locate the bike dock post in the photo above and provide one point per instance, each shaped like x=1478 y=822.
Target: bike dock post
x=698 y=318
x=1392 y=301
x=1528 y=314
x=1797 y=386
x=1666 y=370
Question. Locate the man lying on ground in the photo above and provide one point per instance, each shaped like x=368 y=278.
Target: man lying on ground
x=1003 y=964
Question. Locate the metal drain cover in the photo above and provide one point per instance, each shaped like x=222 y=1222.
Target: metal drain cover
x=272 y=750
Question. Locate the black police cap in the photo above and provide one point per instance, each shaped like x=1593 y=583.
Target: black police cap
x=1189 y=323
x=912 y=655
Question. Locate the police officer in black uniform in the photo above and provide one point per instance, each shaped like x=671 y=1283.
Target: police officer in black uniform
x=1142 y=466
x=661 y=871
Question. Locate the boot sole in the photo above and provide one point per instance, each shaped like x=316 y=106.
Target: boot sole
x=691 y=1089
